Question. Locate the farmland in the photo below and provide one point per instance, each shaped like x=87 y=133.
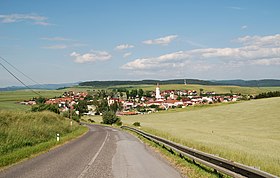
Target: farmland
x=239 y=132
x=246 y=132
x=9 y=99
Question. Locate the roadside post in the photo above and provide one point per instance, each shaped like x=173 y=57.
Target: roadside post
x=57 y=137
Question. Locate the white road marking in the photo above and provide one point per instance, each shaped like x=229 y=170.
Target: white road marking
x=93 y=159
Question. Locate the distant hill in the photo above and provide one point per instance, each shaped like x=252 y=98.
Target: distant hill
x=144 y=82
x=250 y=83
x=247 y=83
x=40 y=87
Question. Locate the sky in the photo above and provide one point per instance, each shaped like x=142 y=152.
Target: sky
x=70 y=41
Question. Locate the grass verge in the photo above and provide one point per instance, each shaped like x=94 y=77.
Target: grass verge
x=25 y=135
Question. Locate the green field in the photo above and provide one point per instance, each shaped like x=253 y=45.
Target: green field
x=24 y=134
x=246 y=132
x=9 y=99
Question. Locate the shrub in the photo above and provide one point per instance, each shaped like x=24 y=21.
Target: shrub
x=74 y=115
x=119 y=123
x=137 y=124
x=109 y=117
x=45 y=107
x=91 y=120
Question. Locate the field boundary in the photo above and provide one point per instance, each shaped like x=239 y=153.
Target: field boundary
x=219 y=164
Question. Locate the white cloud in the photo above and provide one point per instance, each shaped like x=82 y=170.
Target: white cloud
x=43 y=23
x=93 y=56
x=55 y=47
x=124 y=46
x=272 y=40
x=244 y=27
x=161 y=41
x=257 y=50
x=127 y=54
x=36 y=19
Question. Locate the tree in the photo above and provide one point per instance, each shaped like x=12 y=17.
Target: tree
x=121 y=94
x=127 y=94
x=88 y=98
x=81 y=107
x=200 y=91
x=40 y=100
x=148 y=94
x=109 y=117
x=179 y=98
x=140 y=93
x=101 y=105
x=114 y=107
x=133 y=93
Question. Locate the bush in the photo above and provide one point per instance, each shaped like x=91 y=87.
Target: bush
x=45 y=107
x=119 y=123
x=109 y=117
x=91 y=120
x=137 y=124
x=74 y=115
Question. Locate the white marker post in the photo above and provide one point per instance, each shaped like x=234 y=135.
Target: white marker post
x=57 y=137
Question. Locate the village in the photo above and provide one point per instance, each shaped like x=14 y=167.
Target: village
x=133 y=104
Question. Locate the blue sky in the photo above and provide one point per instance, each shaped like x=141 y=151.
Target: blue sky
x=69 y=41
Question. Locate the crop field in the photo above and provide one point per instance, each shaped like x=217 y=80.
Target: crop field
x=9 y=99
x=246 y=132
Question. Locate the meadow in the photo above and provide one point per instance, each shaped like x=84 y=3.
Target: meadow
x=246 y=132
x=23 y=134
x=9 y=100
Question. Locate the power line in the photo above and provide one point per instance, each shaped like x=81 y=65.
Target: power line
x=21 y=72
x=20 y=80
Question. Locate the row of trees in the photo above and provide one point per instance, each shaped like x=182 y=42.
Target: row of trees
x=268 y=94
x=134 y=93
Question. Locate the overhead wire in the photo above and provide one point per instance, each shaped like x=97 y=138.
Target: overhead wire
x=20 y=80
x=21 y=72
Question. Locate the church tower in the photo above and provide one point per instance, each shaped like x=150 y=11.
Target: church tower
x=158 y=96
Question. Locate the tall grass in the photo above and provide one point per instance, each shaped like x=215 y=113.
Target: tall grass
x=23 y=134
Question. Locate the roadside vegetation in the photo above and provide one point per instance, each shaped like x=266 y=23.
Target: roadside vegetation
x=23 y=134
x=246 y=132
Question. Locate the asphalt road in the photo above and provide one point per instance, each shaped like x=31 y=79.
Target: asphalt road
x=103 y=152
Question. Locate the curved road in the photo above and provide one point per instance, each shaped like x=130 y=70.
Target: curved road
x=103 y=152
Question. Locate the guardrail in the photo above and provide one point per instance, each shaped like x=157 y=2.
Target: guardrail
x=219 y=164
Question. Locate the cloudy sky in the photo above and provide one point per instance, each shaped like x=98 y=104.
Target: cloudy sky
x=68 y=41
